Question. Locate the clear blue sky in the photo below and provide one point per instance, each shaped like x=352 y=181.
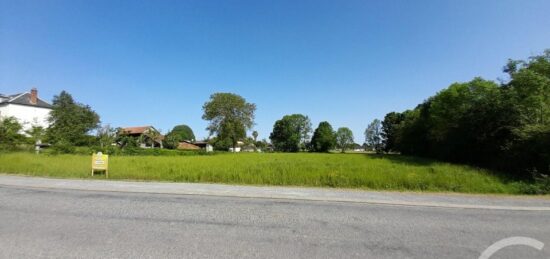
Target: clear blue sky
x=347 y=62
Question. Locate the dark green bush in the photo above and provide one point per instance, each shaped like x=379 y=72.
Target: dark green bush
x=62 y=147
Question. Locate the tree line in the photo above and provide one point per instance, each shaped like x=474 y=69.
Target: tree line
x=71 y=124
x=230 y=116
x=292 y=134
x=503 y=126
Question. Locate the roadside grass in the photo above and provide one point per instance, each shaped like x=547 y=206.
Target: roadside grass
x=361 y=171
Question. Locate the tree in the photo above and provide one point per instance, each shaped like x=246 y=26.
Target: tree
x=529 y=89
x=344 y=138
x=323 y=138
x=261 y=144
x=302 y=123
x=221 y=144
x=70 y=121
x=255 y=135
x=504 y=127
x=183 y=132
x=9 y=132
x=36 y=134
x=124 y=140
x=390 y=127
x=284 y=137
x=291 y=133
x=373 y=136
x=171 y=141
x=106 y=135
x=230 y=117
x=178 y=134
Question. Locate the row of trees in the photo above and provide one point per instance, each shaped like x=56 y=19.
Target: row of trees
x=292 y=134
x=503 y=126
x=231 y=116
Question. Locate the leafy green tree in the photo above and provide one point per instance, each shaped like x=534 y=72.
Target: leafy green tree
x=390 y=128
x=504 y=127
x=178 y=134
x=323 y=139
x=106 y=135
x=9 y=132
x=284 y=136
x=221 y=143
x=530 y=90
x=452 y=133
x=183 y=132
x=528 y=93
x=36 y=134
x=291 y=133
x=70 y=121
x=255 y=138
x=262 y=144
x=171 y=141
x=412 y=135
x=344 y=138
x=373 y=135
x=302 y=123
x=230 y=117
x=124 y=140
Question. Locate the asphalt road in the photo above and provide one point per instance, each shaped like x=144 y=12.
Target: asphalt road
x=49 y=223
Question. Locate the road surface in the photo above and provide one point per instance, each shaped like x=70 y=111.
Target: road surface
x=56 y=223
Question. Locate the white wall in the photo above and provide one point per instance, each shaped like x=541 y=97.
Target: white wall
x=28 y=116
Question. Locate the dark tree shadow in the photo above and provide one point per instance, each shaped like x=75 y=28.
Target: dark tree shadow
x=421 y=161
x=402 y=159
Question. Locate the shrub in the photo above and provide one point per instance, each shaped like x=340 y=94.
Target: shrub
x=63 y=147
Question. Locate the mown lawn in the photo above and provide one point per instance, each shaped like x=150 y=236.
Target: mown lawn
x=388 y=172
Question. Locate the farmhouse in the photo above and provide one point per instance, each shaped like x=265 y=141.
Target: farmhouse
x=27 y=108
x=146 y=136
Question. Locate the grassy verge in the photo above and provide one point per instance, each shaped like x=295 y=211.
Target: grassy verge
x=389 y=172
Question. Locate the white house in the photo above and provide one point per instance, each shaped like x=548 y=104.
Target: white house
x=27 y=108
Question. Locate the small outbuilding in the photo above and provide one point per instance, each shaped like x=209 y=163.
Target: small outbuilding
x=195 y=145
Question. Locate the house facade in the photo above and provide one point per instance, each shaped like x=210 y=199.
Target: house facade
x=27 y=108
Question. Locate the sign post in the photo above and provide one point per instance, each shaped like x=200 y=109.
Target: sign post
x=100 y=162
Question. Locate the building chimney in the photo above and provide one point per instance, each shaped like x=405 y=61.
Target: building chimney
x=34 y=95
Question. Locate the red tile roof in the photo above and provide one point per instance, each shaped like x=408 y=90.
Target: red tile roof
x=141 y=130
x=136 y=130
x=187 y=146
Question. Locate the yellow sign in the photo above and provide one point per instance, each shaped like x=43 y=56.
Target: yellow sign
x=100 y=162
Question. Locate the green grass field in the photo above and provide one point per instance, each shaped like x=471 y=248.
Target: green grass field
x=363 y=171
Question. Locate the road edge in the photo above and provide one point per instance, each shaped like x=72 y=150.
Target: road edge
x=267 y=192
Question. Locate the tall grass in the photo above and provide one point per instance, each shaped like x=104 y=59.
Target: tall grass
x=389 y=172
